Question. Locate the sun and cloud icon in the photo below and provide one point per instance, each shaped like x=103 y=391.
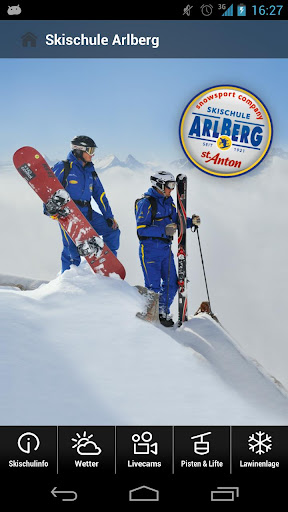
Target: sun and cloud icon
x=84 y=445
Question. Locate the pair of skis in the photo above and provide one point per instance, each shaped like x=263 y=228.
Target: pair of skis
x=181 y=187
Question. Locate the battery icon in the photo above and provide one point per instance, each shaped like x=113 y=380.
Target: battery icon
x=241 y=10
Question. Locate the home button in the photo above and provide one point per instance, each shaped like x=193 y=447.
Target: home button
x=143 y=493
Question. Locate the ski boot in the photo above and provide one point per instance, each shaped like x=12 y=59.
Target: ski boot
x=166 y=320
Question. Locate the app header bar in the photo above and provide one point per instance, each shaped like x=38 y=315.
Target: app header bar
x=137 y=39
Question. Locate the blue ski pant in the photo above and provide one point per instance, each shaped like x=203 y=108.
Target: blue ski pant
x=111 y=237
x=157 y=262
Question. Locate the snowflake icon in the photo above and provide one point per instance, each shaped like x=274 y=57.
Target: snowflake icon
x=260 y=442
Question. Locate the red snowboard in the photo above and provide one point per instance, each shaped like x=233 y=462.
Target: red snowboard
x=34 y=169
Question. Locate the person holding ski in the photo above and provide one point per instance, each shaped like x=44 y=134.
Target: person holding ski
x=78 y=176
x=157 y=222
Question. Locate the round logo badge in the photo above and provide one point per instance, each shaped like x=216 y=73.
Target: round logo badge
x=226 y=131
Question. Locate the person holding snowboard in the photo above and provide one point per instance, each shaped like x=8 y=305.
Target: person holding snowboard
x=157 y=218
x=78 y=176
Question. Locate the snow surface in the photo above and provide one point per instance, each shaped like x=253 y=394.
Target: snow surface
x=73 y=351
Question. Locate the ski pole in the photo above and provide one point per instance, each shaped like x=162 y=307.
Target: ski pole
x=168 y=278
x=202 y=260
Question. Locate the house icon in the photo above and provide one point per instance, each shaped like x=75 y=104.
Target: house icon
x=29 y=39
x=143 y=493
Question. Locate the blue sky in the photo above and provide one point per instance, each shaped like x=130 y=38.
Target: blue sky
x=126 y=105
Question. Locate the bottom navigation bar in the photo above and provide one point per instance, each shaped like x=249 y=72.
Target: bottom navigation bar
x=146 y=450
x=143 y=463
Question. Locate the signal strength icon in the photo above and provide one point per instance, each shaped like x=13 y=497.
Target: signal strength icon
x=229 y=11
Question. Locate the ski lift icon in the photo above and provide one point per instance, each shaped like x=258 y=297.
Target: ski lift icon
x=201 y=447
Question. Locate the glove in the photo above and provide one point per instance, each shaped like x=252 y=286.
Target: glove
x=170 y=229
x=61 y=214
x=196 y=221
x=112 y=224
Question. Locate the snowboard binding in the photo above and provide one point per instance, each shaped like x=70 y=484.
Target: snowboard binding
x=93 y=245
x=56 y=204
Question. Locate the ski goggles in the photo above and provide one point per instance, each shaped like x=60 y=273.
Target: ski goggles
x=89 y=150
x=170 y=184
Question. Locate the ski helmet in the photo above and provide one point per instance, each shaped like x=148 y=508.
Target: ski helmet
x=163 y=179
x=82 y=143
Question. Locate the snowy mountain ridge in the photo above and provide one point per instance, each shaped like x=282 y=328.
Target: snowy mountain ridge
x=74 y=362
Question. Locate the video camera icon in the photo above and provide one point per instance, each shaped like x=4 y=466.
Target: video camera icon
x=145 y=447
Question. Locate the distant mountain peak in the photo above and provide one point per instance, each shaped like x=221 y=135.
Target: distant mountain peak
x=132 y=162
x=107 y=162
x=113 y=161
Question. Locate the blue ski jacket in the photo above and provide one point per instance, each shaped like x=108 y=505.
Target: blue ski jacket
x=83 y=185
x=165 y=214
